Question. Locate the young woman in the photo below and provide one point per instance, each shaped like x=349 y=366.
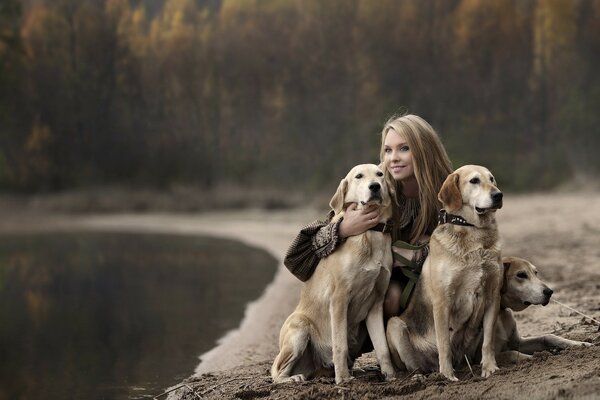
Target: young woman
x=416 y=160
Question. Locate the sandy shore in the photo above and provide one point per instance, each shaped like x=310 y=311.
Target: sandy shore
x=559 y=233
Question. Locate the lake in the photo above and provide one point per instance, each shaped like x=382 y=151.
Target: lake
x=117 y=316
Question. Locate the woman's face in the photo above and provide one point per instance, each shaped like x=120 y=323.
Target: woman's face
x=397 y=156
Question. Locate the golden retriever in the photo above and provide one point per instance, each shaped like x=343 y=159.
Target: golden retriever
x=459 y=288
x=347 y=288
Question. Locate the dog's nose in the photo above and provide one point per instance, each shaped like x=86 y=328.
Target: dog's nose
x=548 y=292
x=497 y=196
x=374 y=187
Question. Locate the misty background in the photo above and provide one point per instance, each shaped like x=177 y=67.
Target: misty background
x=287 y=95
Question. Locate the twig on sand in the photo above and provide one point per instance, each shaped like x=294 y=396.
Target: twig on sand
x=407 y=377
x=210 y=389
x=179 y=387
x=193 y=391
x=486 y=390
x=414 y=371
x=578 y=312
x=469 y=364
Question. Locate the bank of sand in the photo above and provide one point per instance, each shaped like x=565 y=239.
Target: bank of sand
x=560 y=233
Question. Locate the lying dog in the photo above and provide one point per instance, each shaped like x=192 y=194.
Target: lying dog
x=522 y=288
x=459 y=288
x=347 y=288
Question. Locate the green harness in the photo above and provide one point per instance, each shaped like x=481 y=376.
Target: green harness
x=408 y=268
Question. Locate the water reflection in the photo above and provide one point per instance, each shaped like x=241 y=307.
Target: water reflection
x=116 y=316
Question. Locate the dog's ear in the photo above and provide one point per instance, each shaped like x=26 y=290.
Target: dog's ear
x=337 y=201
x=505 y=277
x=449 y=194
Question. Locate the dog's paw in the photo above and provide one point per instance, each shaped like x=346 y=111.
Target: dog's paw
x=389 y=375
x=487 y=370
x=451 y=377
x=342 y=378
x=388 y=371
x=449 y=374
x=288 y=379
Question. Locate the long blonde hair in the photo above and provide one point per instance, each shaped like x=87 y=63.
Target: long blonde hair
x=431 y=167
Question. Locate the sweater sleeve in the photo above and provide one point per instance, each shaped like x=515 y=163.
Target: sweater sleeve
x=315 y=241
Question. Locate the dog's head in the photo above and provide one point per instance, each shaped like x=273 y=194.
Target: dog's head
x=522 y=287
x=364 y=185
x=471 y=192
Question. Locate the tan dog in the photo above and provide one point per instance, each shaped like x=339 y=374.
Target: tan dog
x=347 y=288
x=459 y=288
x=521 y=288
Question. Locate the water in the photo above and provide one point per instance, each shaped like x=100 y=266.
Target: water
x=116 y=316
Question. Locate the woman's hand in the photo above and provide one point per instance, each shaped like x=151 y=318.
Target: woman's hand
x=356 y=221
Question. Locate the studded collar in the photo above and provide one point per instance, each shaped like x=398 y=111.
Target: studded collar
x=445 y=218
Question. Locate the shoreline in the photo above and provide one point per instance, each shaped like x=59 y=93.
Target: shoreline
x=256 y=337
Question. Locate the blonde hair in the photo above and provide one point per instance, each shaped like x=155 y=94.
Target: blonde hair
x=430 y=163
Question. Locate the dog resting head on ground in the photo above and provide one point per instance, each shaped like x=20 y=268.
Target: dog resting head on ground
x=346 y=289
x=459 y=288
x=522 y=288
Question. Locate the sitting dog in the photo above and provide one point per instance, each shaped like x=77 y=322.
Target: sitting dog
x=459 y=287
x=521 y=288
x=347 y=288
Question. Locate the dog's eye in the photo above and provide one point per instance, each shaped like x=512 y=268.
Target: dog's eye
x=474 y=181
x=522 y=275
x=492 y=179
x=379 y=173
x=359 y=176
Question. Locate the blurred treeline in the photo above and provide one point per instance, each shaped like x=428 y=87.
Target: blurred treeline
x=291 y=93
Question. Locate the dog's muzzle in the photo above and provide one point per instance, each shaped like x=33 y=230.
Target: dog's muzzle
x=496 y=203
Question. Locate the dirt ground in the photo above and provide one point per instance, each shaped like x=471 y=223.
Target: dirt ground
x=560 y=234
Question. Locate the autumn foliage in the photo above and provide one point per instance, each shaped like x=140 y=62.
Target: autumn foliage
x=291 y=93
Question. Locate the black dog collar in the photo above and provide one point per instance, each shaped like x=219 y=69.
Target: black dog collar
x=383 y=228
x=445 y=218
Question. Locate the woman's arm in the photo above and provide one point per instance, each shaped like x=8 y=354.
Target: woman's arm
x=315 y=241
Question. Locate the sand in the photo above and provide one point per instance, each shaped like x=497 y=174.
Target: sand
x=560 y=233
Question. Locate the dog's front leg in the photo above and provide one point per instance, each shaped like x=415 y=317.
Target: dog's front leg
x=338 y=310
x=441 y=321
x=377 y=334
x=530 y=345
x=488 y=354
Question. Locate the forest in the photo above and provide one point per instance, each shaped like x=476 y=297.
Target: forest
x=291 y=93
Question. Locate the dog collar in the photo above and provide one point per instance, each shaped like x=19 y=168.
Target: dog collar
x=445 y=218
x=383 y=228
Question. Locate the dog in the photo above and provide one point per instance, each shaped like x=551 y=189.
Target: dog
x=521 y=288
x=347 y=288
x=459 y=288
